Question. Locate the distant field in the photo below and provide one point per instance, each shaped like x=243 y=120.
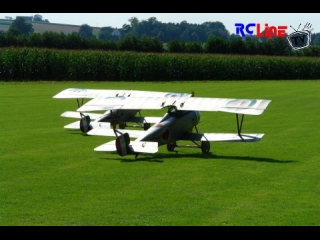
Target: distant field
x=50 y=176
x=54 y=27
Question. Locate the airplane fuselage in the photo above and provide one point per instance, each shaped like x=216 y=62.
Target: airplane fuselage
x=173 y=126
x=122 y=116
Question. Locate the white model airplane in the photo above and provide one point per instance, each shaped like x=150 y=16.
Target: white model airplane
x=177 y=124
x=114 y=117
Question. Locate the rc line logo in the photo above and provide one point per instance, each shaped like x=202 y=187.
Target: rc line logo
x=269 y=31
x=300 y=39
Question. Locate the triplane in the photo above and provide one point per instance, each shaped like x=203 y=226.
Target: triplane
x=182 y=117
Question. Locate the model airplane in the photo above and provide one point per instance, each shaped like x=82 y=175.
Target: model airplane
x=177 y=124
x=109 y=118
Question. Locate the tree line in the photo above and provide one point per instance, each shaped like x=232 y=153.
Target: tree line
x=21 y=34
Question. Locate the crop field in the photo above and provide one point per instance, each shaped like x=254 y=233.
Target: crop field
x=51 y=176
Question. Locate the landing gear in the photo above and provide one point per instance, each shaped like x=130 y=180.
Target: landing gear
x=122 y=125
x=85 y=125
x=205 y=146
x=171 y=146
x=146 y=126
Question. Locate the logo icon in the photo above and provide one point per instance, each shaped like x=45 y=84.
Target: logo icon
x=300 y=39
x=269 y=31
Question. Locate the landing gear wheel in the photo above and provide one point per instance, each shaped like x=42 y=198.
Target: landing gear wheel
x=171 y=146
x=85 y=125
x=205 y=146
x=146 y=126
x=122 y=125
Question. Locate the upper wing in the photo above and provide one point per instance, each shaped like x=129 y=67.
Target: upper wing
x=241 y=106
x=100 y=93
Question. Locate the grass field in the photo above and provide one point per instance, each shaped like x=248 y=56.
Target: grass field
x=50 y=176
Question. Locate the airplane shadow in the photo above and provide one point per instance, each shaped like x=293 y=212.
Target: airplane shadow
x=160 y=157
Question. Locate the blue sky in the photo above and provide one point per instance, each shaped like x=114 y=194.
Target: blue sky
x=117 y=20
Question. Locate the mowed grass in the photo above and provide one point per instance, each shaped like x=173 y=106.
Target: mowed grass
x=52 y=176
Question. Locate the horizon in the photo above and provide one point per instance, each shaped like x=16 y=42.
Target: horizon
x=117 y=20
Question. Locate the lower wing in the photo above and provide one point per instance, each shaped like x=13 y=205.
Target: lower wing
x=224 y=137
x=70 y=114
x=135 y=147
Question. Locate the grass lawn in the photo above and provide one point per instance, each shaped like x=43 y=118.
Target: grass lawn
x=50 y=176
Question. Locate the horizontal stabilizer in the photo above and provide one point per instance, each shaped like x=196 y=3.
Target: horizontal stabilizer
x=223 y=137
x=135 y=147
x=102 y=131
x=232 y=137
x=144 y=147
x=107 y=147
x=74 y=125
x=70 y=114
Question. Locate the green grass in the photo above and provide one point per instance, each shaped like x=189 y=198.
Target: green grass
x=52 y=176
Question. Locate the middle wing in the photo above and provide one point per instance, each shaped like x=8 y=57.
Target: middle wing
x=240 y=106
x=102 y=131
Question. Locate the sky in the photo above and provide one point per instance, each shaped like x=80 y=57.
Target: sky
x=117 y=20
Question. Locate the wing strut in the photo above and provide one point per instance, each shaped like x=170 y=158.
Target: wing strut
x=114 y=122
x=239 y=126
x=79 y=103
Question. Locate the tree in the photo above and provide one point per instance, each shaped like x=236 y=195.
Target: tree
x=185 y=35
x=134 y=22
x=37 y=18
x=21 y=24
x=281 y=46
x=176 y=46
x=86 y=31
x=194 y=37
x=194 y=47
x=216 y=45
x=160 y=35
x=316 y=40
x=251 y=45
x=126 y=29
x=237 y=46
x=105 y=33
x=13 y=31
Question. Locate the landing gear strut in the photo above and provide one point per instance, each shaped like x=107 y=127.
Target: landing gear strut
x=171 y=146
x=122 y=125
x=205 y=146
x=146 y=126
